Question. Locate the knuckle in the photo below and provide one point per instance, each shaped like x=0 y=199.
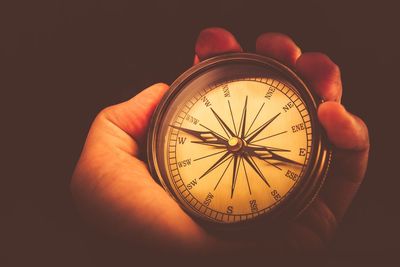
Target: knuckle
x=272 y=35
x=365 y=132
x=268 y=38
x=329 y=64
x=321 y=62
x=335 y=69
x=104 y=113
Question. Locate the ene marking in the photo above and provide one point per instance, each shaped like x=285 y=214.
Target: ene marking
x=298 y=127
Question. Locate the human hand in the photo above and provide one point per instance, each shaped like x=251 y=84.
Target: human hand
x=115 y=191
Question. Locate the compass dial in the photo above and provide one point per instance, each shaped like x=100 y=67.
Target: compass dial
x=231 y=147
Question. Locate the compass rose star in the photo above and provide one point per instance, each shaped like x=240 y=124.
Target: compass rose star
x=238 y=146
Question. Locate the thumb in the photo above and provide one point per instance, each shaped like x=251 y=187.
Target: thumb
x=133 y=116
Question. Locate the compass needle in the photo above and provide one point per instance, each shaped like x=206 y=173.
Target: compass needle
x=215 y=134
x=268 y=153
x=280 y=158
x=206 y=137
x=237 y=139
x=267 y=148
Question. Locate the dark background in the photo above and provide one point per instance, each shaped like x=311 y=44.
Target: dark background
x=63 y=61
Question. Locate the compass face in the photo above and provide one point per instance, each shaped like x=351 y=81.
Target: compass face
x=237 y=137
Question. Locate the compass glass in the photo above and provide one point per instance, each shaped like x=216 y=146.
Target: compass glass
x=234 y=139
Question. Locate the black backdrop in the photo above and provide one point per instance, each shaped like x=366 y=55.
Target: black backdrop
x=63 y=61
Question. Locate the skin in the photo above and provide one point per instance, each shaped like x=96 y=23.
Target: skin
x=114 y=191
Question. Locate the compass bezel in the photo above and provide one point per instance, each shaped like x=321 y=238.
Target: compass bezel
x=303 y=193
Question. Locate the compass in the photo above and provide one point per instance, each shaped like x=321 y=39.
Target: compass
x=236 y=140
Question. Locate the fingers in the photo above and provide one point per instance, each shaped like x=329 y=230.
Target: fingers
x=317 y=69
x=322 y=75
x=133 y=116
x=279 y=47
x=215 y=41
x=344 y=130
x=349 y=135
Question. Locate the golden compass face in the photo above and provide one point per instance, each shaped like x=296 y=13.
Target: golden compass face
x=237 y=138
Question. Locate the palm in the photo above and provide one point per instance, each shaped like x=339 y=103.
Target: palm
x=131 y=175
